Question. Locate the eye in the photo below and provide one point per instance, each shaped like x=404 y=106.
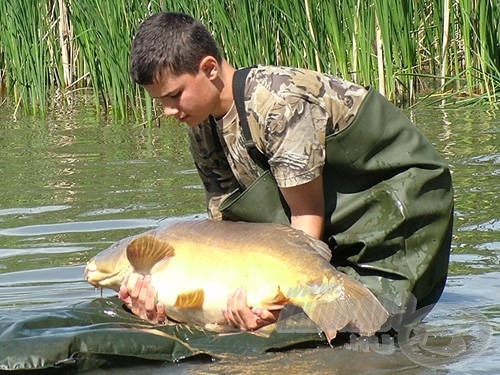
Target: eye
x=175 y=94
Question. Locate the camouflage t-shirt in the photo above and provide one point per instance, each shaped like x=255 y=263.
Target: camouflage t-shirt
x=290 y=112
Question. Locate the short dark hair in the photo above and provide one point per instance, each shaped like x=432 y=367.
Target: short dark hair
x=174 y=41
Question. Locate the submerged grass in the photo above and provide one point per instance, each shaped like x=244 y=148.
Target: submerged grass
x=447 y=48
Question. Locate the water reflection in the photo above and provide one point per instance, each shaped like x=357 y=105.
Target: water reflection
x=72 y=187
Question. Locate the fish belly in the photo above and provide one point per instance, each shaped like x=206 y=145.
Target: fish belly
x=262 y=279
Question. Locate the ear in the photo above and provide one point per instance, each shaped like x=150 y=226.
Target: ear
x=210 y=67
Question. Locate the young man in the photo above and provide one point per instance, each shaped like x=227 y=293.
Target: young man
x=351 y=169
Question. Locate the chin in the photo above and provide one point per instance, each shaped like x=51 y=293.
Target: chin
x=189 y=121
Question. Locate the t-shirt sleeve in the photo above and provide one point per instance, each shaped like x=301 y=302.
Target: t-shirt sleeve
x=295 y=140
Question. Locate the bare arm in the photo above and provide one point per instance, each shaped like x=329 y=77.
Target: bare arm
x=307 y=206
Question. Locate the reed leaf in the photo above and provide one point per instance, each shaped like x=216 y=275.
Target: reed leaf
x=425 y=46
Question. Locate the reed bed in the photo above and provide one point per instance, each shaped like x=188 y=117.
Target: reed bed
x=53 y=50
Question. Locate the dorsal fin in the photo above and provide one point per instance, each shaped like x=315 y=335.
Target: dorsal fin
x=193 y=299
x=146 y=251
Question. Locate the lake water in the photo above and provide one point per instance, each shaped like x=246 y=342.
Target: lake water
x=71 y=185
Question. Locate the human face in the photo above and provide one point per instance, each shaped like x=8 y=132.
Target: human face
x=190 y=98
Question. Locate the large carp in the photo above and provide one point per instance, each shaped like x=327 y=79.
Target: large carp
x=196 y=264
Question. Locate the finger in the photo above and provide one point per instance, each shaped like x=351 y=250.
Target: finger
x=124 y=296
x=150 y=305
x=135 y=281
x=242 y=314
x=125 y=281
x=143 y=291
x=266 y=315
x=240 y=307
x=160 y=311
x=123 y=292
x=228 y=315
x=231 y=313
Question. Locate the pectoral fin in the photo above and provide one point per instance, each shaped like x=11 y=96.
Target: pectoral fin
x=146 y=251
x=193 y=300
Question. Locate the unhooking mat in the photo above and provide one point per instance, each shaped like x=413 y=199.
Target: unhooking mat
x=100 y=333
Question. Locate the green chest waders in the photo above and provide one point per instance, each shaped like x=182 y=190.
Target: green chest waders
x=389 y=205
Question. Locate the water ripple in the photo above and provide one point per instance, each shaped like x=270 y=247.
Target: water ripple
x=79 y=226
x=492 y=225
x=6 y=253
x=32 y=210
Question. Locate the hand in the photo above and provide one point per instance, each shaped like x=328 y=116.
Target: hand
x=139 y=296
x=239 y=314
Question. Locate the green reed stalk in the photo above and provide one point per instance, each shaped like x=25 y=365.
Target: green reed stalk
x=467 y=42
x=29 y=50
x=404 y=56
x=423 y=45
x=445 y=42
x=313 y=34
x=488 y=14
x=367 y=62
x=104 y=48
x=336 y=48
x=384 y=47
x=302 y=45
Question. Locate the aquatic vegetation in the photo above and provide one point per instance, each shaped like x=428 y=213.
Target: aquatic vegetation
x=52 y=50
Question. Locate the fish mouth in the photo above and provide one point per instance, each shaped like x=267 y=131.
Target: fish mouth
x=101 y=279
x=90 y=269
x=87 y=272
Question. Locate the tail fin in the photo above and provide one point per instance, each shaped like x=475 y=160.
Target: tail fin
x=341 y=303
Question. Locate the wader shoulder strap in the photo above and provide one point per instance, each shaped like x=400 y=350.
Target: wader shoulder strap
x=215 y=134
x=239 y=79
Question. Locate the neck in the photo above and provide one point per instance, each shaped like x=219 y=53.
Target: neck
x=226 y=89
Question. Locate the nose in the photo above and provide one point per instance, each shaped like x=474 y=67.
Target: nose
x=169 y=109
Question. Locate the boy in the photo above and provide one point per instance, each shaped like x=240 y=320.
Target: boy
x=351 y=169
